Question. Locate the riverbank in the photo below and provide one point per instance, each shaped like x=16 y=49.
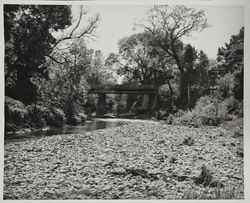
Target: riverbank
x=133 y=161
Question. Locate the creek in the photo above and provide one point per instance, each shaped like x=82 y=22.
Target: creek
x=66 y=129
x=70 y=129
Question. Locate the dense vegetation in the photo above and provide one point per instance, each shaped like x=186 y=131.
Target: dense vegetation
x=225 y=102
x=47 y=77
x=192 y=91
x=49 y=68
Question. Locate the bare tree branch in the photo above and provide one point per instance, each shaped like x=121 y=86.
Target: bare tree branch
x=85 y=32
x=55 y=60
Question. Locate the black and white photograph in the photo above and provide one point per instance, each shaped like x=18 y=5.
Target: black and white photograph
x=108 y=101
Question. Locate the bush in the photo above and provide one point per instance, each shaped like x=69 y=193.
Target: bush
x=17 y=115
x=211 y=111
x=43 y=116
x=77 y=119
x=226 y=85
x=38 y=115
x=233 y=106
x=15 y=111
x=208 y=111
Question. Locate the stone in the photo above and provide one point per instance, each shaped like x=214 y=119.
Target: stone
x=107 y=188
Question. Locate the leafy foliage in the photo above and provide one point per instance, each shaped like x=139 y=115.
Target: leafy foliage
x=42 y=69
x=208 y=111
x=231 y=58
x=138 y=60
x=226 y=85
x=67 y=85
x=28 y=39
x=18 y=116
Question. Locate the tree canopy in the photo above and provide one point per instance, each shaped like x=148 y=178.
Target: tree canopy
x=30 y=40
x=231 y=59
x=168 y=24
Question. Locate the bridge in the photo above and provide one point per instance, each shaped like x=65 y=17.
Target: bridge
x=124 y=89
x=149 y=92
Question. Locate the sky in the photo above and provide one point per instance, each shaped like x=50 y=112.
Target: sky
x=117 y=22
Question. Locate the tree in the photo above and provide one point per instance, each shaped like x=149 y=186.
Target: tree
x=195 y=78
x=168 y=25
x=139 y=60
x=202 y=68
x=230 y=58
x=67 y=86
x=99 y=73
x=28 y=40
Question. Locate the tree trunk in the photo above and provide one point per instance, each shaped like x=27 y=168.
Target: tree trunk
x=182 y=99
x=188 y=92
x=171 y=95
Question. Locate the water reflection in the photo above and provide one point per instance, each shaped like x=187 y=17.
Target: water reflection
x=68 y=129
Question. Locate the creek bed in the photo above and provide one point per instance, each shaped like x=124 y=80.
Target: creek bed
x=94 y=164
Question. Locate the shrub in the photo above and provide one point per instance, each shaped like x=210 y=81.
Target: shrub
x=208 y=111
x=43 y=116
x=233 y=106
x=17 y=115
x=226 y=85
x=15 y=111
x=188 y=118
x=38 y=115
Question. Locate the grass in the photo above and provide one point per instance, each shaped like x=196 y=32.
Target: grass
x=217 y=193
x=208 y=181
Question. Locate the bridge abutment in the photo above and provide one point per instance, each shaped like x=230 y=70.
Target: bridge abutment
x=101 y=104
x=149 y=102
x=145 y=102
x=154 y=100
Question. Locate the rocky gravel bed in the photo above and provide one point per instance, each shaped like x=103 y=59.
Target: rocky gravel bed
x=133 y=161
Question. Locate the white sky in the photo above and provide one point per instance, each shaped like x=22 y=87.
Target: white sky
x=117 y=22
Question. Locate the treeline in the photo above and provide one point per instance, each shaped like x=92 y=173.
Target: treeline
x=47 y=77
x=49 y=68
x=157 y=55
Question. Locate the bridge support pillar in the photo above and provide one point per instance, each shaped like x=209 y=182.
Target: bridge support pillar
x=154 y=100
x=101 y=105
x=145 y=102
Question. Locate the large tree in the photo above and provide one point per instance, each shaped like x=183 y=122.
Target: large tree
x=98 y=74
x=30 y=40
x=139 y=60
x=231 y=60
x=67 y=86
x=168 y=25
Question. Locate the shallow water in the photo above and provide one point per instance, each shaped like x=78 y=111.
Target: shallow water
x=68 y=129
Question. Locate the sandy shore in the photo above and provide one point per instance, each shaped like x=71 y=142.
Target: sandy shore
x=145 y=160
